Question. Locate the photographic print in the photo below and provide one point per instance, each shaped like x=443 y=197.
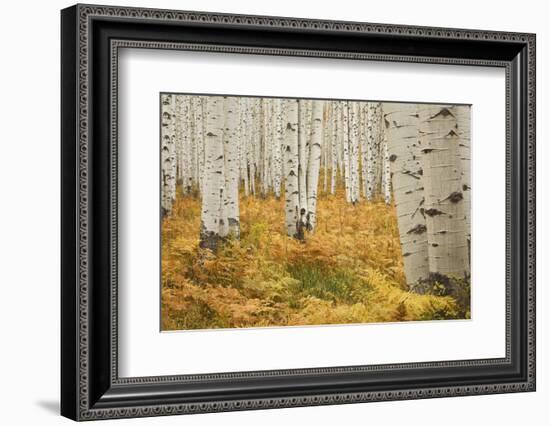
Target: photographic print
x=299 y=212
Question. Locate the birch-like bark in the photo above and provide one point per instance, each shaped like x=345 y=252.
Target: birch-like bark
x=179 y=115
x=291 y=159
x=354 y=150
x=212 y=214
x=373 y=149
x=231 y=156
x=244 y=143
x=303 y=154
x=363 y=143
x=401 y=122
x=344 y=138
x=386 y=170
x=314 y=163
x=444 y=206
x=278 y=140
x=334 y=147
x=463 y=121
x=197 y=139
x=168 y=160
x=327 y=132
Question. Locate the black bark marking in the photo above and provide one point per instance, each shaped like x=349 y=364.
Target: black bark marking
x=418 y=229
x=454 y=197
x=210 y=134
x=412 y=174
x=444 y=112
x=393 y=157
x=433 y=212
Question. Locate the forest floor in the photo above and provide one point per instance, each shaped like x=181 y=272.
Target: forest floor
x=349 y=271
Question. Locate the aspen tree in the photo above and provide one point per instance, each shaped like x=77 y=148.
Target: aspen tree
x=278 y=140
x=179 y=114
x=314 y=163
x=231 y=156
x=327 y=132
x=463 y=121
x=303 y=154
x=213 y=221
x=444 y=205
x=197 y=137
x=344 y=139
x=373 y=148
x=401 y=122
x=354 y=150
x=244 y=143
x=255 y=144
x=386 y=170
x=334 y=146
x=363 y=125
x=291 y=158
x=168 y=159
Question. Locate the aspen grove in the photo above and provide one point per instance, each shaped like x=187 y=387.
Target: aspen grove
x=414 y=158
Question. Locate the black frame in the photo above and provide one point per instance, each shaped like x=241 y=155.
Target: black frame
x=91 y=37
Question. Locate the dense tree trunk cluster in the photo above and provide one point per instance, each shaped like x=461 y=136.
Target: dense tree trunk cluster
x=218 y=147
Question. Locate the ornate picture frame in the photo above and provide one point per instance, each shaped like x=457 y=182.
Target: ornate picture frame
x=91 y=37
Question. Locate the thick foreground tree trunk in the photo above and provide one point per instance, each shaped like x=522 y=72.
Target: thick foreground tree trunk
x=401 y=122
x=463 y=121
x=444 y=206
x=212 y=214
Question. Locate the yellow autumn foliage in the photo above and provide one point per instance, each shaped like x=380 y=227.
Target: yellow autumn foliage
x=349 y=270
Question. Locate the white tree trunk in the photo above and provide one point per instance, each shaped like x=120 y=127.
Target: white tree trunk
x=354 y=150
x=408 y=188
x=386 y=171
x=344 y=138
x=231 y=154
x=197 y=138
x=278 y=140
x=303 y=154
x=179 y=114
x=373 y=149
x=327 y=134
x=314 y=163
x=245 y=143
x=462 y=113
x=212 y=214
x=291 y=159
x=168 y=157
x=334 y=146
x=444 y=206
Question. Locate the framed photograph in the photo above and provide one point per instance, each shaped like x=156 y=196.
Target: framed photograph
x=263 y=212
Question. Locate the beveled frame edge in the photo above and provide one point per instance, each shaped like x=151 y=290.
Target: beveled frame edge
x=75 y=200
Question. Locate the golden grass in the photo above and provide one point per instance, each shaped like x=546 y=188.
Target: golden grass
x=349 y=271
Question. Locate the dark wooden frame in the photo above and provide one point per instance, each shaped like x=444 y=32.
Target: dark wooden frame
x=90 y=386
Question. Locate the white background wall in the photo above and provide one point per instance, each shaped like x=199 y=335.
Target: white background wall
x=29 y=213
